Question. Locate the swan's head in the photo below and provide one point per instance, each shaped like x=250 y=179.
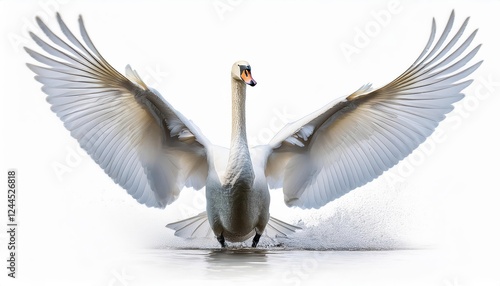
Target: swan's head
x=241 y=71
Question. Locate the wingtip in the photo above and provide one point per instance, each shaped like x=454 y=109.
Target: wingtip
x=466 y=83
x=39 y=21
x=28 y=65
x=475 y=66
x=433 y=26
x=452 y=16
x=80 y=19
x=478 y=46
x=34 y=37
x=59 y=18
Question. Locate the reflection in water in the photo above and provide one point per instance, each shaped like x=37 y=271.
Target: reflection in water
x=237 y=262
x=225 y=257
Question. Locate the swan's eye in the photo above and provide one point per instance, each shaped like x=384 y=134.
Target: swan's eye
x=244 y=68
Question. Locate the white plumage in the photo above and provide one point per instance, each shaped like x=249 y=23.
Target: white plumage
x=151 y=150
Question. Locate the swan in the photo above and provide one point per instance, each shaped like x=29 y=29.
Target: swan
x=151 y=150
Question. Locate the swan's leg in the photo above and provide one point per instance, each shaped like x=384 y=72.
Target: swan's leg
x=256 y=239
x=261 y=226
x=221 y=240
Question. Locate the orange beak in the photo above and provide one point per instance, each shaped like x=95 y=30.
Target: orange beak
x=246 y=76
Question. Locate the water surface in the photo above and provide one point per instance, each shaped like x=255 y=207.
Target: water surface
x=291 y=267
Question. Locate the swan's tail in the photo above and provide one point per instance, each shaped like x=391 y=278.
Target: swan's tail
x=278 y=228
x=198 y=226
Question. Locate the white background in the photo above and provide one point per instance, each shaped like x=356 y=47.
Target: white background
x=446 y=195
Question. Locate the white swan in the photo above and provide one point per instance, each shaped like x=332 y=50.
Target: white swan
x=153 y=151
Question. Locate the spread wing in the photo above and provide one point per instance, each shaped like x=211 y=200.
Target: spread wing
x=138 y=139
x=352 y=141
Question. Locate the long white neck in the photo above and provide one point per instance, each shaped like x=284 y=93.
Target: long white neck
x=239 y=170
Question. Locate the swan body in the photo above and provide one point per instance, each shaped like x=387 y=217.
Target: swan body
x=238 y=199
x=151 y=150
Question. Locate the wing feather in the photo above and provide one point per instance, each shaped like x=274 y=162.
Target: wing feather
x=352 y=141
x=137 y=138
